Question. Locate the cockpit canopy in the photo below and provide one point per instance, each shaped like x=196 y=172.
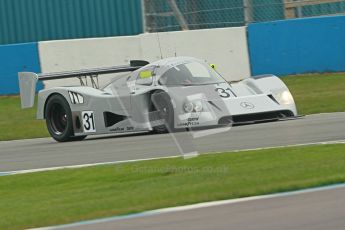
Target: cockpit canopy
x=191 y=72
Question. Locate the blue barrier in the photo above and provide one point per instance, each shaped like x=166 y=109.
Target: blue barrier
x=16 y=58
x=297 y=46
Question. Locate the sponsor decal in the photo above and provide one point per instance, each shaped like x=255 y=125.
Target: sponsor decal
x=247 y=105
x=193 y=119
x=189 y=123
x=117 y=129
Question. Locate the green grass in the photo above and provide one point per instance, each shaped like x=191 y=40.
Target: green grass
x=65 y=196
x=318 y=93
x=16 y=123
x=313 y=94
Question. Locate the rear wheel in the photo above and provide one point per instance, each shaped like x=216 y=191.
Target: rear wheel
x=163 y=106
x=59 y=119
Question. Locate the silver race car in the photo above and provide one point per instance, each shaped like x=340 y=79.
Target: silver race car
x=169 y=94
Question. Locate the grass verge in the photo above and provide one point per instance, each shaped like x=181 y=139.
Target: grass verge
x=317 y=93
x=64 y=196
x=16 y=123
x=314 y=93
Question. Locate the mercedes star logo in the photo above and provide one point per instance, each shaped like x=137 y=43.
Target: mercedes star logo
x=247 y=105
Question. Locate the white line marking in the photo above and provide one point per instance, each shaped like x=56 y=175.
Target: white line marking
x=294 y=145
x=79 y=166
x=193 y=206
x=9 y=173
x=29 y=139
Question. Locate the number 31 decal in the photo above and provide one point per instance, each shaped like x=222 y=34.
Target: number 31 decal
x=88 y=122
x=225 y=93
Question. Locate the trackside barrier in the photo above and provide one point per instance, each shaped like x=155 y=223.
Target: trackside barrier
x=297 y=46
x=227 y=47
x=280 y=48
x=15 y=58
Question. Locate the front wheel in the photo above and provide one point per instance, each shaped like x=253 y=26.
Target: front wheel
x=59 y=119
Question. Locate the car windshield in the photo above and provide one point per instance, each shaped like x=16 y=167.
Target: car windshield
x=191 y=73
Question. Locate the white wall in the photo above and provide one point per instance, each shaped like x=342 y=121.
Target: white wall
x=78 y=54
x=226 y=47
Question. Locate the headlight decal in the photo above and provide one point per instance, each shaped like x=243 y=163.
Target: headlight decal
x=188 y=107
x=195 y=106
x=284 y=97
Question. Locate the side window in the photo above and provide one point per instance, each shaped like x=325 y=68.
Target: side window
x=145 y=77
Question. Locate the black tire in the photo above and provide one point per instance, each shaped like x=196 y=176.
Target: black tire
x=162 y=104
x=59 y=118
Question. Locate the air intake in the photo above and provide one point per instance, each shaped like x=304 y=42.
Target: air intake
x=111 y=119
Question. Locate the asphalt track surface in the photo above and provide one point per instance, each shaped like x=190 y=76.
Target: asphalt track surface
x=45 y=152
x=318 y=210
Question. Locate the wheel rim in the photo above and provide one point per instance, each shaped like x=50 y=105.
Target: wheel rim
x=58 y=119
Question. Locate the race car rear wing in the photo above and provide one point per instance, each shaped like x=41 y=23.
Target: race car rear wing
x=28 y=80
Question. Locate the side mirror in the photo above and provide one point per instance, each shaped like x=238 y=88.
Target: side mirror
x=213 y=66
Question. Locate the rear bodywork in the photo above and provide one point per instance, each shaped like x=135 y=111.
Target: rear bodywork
x=126 y=104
